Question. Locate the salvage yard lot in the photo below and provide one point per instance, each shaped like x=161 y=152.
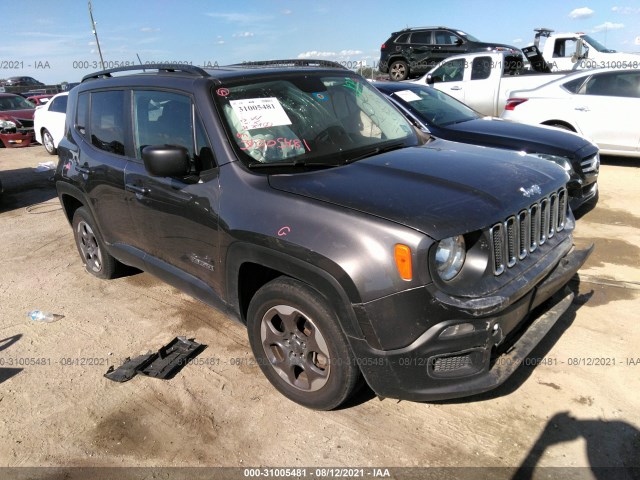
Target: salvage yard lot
x=574 y=404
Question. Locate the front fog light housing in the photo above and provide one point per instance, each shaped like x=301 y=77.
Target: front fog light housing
x=450 y=256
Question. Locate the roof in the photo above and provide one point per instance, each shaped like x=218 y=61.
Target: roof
x=192 y=71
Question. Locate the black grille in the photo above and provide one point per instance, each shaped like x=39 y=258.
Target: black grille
x=521 y=234
x=591 y=165
x=449 y=364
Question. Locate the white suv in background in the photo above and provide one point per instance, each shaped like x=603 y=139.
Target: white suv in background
x=48 y=122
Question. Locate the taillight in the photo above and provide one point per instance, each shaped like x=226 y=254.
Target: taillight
x=383 y=46
x=512 y=103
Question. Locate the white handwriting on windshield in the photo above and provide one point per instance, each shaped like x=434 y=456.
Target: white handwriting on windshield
x=246 y=142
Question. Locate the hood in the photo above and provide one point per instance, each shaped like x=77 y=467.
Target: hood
x=518 y=136
x=26 y=114
x=493 y=46
x=442 y=189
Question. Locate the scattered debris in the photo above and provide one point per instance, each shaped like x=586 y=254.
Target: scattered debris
x=164 y=363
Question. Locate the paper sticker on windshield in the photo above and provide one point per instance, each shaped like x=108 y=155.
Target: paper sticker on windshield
x=260 y=113
x=408 y=95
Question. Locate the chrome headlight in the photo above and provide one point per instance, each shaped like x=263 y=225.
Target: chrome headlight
x=7 y=124
x=450 y=256
x=564 y=162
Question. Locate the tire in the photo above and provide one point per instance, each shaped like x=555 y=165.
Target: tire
x=301 y=349
x=47 y=141
x=398 y=70
x=97 y=260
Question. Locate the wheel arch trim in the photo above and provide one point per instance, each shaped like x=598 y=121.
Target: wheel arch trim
x=340 y=295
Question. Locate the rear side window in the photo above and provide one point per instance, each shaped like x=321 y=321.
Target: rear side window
x=613 y=84
x=421 y=37
x=108 y=121
x=481 y=68
x=59 y=104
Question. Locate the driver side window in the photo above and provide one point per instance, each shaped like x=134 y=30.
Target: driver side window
x=166 y=118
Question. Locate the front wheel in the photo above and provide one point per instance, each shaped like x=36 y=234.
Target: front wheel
x=296 y=339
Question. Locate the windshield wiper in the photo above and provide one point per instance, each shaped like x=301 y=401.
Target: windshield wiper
x=296 y=163
x=376 y=151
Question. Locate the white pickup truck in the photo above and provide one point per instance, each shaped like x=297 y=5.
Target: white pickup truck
x=483 y=80
x=578 y=51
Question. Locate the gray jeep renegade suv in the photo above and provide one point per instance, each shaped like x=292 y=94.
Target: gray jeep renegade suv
x=297 y=199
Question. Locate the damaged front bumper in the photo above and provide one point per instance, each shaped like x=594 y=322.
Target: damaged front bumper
x=15 y=140
x=473 y=353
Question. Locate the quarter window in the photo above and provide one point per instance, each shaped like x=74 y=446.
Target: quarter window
x=82 y=115
x=404 y=38
x=108 y=121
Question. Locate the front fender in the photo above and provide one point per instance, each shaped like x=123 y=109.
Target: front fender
x=320 y=273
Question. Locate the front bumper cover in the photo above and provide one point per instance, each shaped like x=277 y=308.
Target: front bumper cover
x=436 y=368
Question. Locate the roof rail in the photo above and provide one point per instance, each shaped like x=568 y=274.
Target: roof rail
x=296 y=62
x=160 y=67
x=426 y=28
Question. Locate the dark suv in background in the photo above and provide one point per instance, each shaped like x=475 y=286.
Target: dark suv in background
x=298 y=200
x=413 y=51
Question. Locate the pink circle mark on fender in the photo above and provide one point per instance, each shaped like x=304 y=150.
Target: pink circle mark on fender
x=283 y=231
x=223 y=92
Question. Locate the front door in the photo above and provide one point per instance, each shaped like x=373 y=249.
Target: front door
x=178 y=217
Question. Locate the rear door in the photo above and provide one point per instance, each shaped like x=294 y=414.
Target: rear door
x=100 y=132
x=607 y=110
x=421 y=51
x=482 y=88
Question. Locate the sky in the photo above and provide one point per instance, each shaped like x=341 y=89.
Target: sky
x=53 y=41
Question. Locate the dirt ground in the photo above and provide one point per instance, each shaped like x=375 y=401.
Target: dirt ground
x=578 y=407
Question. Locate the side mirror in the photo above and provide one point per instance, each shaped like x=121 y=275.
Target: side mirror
x=430 y=79
x=459 y=42
x=166 y=160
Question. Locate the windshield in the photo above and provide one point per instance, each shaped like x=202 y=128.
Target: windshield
x=15 y=102
x=596 y=44
x=434 y=107
x=310 y=119
x=467 y=36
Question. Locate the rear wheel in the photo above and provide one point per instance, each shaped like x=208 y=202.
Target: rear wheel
x=297 y=342
x=398 y=70
x=47 y=141
x=97 y=260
